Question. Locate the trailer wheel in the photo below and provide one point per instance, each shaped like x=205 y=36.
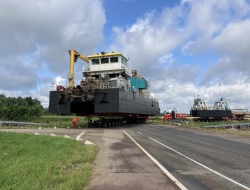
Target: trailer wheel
x=111 y=123
x=107 y=121
x=117 y=122
x=90 y=124
x=104 y=123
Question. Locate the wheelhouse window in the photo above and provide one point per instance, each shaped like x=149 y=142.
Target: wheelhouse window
x=104 y=60
x=124 y=62
x=95 y=61
x=113 y=59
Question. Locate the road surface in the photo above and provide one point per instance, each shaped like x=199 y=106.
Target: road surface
x=195 y=159
x=199 y=160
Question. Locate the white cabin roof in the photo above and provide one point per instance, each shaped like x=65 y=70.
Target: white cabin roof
x=103 y=54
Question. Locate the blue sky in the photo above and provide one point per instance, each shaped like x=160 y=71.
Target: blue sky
x=124 y=13
x=128 y=11
x=184 y=48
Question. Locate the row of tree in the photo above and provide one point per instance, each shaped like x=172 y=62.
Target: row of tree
x=19 y=109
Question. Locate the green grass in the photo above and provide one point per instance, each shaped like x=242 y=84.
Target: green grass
x=54 y=121
x=157 y=119
x=202 y=126
x=62 y=121
x=193 y=124
x=44 y=162
x=51 y=121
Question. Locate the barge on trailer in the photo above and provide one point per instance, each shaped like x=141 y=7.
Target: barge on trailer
x=109 y=90
x=221 y=111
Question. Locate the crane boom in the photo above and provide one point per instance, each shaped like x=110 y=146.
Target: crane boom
x=74 y=55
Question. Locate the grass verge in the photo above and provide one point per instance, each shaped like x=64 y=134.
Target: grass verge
x=44 y=162
x=52 y=121
x=62 y=121
x=202 y=126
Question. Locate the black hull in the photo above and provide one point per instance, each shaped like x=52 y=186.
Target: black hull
x=116 y=101
x=211 y=113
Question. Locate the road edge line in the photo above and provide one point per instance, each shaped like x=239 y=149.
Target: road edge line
x=202 y=165
x=179 y=184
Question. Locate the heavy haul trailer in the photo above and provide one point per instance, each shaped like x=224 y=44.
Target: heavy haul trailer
x=211 y=115
x=221 y=111
x=111 y=91
x=240 y=114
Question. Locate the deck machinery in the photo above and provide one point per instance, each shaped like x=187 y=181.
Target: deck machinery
x=109 y=90
x=220 y=111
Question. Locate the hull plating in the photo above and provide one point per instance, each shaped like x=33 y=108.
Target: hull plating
x=115 y=101
x=211 y=113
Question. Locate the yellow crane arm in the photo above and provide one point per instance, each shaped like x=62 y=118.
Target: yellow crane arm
x=74 y=55
x=139 y=76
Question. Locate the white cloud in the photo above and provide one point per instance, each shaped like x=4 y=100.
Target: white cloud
x=181 y=96
x=208 y=19
x=186 y=49
x=35 y=37
x=59 y=80
x=233 y=45
x=194 y=28
x=166 y=58
x=35 y=40
x=233 y=39
x=150 y=37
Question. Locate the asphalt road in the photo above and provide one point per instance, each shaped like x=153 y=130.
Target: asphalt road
x=199 y=160
x=120 y=164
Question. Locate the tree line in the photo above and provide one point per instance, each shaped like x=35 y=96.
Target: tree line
x=19 y=109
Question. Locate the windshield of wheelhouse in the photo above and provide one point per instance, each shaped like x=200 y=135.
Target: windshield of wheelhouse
x=95 y=61
x=113 y=59
x=124 y=61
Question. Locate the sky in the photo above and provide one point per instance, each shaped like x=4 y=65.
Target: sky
x=185 y=48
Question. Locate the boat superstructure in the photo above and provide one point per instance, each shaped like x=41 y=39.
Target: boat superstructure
x=109 y=87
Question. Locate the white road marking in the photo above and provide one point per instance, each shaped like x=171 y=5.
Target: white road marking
x=139 y=132
x=223 y=137
x=225 y=177
x=179 y=184
x=88 y=142
x=219 y=136
x=78 y=138
x=66 y=136
x=236 y=140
